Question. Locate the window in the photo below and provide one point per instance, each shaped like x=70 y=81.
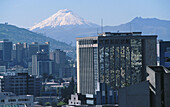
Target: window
x=12 y=100
x=2 y=100
x=110 y=92
x=103 y=93
x=101 y=41
x=106 y=41
x=94 y=41
x=168 y=49
x=23 y=99
x=167 y=59
x=127 y=41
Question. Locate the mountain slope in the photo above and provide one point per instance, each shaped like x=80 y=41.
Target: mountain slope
x=16 y=34
x=146 y=26
x=65 y=26
x=63 y=18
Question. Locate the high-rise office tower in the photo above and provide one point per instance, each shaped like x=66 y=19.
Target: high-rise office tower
x=17 y=53
x=35 y=47
x=44 y=47
x=20 y=54
x=5 y=50
x=115 y=59
x=59 y=57
x=41 y=64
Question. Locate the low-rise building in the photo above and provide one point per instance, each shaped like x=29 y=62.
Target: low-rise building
x=8 y=99
x=77 y=99
x=21 y=84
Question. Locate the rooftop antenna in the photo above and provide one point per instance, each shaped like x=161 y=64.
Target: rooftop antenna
x=130 y=27
x=97 y=31
x=102 y=25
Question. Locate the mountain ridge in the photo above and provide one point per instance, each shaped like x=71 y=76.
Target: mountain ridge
x=150 y=26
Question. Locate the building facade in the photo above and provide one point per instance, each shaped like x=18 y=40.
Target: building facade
x=159 y=77
x=165 y=53
x=9 y=99
x=35 y=47
x=77 y=99
x=137 y=95
x=41 y=64
x=154 y=92
x=21 y=84
x=20 y=54
x=116 y=59
x=61 y=69
x=5 y=50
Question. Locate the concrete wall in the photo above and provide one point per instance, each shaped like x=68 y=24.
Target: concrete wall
x=135 y=95
x=149 y=54
x=167 y=90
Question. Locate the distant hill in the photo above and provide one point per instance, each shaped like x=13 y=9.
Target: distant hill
x=16 y=34
x=146 y=26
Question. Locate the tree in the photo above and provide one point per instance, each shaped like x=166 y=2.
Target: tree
x=47 y=77
x=61 y=103
x=44 y=76
x=47 y=104
x=50 y=77
x=67 y=91
x=40 y=102
x=54 y=104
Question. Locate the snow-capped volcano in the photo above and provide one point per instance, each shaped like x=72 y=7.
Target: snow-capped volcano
x=62 y=18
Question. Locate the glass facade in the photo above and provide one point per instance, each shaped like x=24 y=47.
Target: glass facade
x=136 y=60
x=101 y=51
x=120 y=62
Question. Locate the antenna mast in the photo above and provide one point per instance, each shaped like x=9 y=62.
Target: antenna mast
x=102 y=25
x=130 y=27
x=97 y=31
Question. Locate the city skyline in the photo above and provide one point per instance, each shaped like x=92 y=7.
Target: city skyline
x=28 y=13
x=89 y=53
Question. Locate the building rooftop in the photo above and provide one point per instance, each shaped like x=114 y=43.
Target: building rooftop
x=10 y=94
x=159 y=69
x=120 y=34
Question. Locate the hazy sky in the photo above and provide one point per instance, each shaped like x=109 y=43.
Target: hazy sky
x=25 y=13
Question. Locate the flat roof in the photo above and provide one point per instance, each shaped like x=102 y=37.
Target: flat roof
x=118 y=37
x=122 y=33
x=159 y=69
